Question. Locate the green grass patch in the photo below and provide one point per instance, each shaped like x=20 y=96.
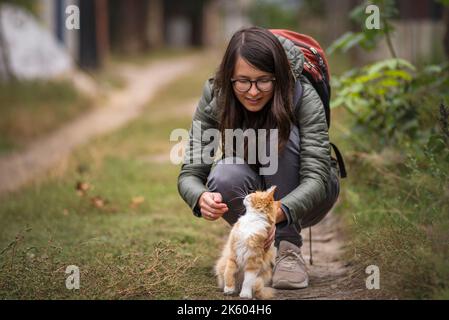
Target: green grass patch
x=144 y=57
x=150 y=248
x=32 y=108
x=398 y=217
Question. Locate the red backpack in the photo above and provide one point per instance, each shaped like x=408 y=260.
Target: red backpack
x=316 y=70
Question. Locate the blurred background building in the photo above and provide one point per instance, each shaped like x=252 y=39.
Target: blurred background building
x=138 y=25
x=133 y=26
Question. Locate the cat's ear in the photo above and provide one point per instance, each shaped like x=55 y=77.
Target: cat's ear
x=271 y=191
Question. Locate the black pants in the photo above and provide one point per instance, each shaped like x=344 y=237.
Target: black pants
x=234 y=181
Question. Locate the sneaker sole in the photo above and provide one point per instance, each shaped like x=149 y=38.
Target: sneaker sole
x=284 y=284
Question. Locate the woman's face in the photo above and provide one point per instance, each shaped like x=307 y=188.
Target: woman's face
x=254 y=99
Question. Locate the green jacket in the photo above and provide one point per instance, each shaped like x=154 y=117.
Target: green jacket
x=315 y=153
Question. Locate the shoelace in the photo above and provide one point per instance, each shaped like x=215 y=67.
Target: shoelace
x=290 y=260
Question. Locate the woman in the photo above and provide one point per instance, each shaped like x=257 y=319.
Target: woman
x=253 y=89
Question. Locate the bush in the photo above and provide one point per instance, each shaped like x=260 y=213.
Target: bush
x=393 y=101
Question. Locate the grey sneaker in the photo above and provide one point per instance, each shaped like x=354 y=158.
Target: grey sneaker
x=289 y=269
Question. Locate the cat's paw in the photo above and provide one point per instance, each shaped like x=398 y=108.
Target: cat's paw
x=246 y=294
x=229 y=290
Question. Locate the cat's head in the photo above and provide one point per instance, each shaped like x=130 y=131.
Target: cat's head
x=262 y=202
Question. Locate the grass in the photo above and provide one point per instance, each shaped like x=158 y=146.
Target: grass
x=142 y=58
x=397 y=217
x=32 y=108
x=124 y=247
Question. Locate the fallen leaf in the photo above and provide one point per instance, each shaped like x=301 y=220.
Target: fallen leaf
x=82 y=187
x=98 y=202
x=137 y=201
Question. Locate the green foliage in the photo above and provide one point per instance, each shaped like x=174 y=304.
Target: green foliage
x=30 y=5
x=274 y=14
x=433 y=156
x=367 y=38
x=314 y=7
x=393 y=100
x=397 y=191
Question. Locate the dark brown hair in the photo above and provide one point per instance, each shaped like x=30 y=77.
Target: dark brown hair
x=260 y=48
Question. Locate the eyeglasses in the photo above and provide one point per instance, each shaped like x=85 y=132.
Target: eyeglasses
x=244 y=85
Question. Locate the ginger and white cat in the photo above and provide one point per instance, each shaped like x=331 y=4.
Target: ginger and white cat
x=244 y=255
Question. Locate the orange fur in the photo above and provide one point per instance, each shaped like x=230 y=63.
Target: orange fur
x=244 y=251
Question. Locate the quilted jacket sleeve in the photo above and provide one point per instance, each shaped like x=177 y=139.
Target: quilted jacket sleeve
x=194 y=172
x=315 y=157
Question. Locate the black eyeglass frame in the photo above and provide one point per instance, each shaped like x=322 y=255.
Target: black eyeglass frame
x=233 y=81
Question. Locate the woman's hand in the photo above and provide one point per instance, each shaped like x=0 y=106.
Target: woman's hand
x=212 y=206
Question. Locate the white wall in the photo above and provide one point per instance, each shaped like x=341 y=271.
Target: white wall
x=47 y=16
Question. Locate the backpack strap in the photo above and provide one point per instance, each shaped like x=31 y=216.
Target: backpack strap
x=341 y=163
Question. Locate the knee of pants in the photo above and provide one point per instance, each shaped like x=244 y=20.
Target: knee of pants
x=233 y=181
x=231 y=176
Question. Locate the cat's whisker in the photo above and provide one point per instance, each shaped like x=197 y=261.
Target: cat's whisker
x=238 y=197
x=242 y=194
x=239 y=188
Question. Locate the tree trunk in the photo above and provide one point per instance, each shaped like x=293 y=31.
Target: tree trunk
x=102 y=30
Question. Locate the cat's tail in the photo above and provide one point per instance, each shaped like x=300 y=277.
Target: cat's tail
x=261 y=292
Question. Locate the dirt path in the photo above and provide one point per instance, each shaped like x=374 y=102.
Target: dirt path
x=18 y=168
x=330 y=276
